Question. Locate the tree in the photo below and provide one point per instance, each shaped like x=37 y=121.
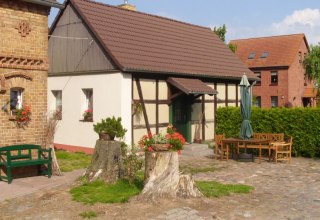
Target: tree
x=221 y=32
x=312 y=65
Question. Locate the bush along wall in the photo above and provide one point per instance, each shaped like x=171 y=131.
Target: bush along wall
x=303 y=124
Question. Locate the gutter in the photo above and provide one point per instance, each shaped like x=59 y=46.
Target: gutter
x=46 y=3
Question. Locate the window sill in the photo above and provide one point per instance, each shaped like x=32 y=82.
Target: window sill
x=12 y=118
x=273 y=84
x=82 y=120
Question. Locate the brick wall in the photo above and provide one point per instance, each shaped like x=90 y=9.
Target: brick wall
x=23 y=64
x=290 y=87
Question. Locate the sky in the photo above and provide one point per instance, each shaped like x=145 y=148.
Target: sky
x=243 y=18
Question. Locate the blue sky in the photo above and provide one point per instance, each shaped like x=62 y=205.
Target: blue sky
x=243 y=18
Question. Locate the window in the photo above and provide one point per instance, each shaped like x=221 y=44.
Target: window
x=251 y=55
x=258 y=102
x=264 y=54
x=58 y=103
x=274 y=77
x=300 y=57
x=258 y=74
x=87 y=109
x=16 y=98
x=274 y=101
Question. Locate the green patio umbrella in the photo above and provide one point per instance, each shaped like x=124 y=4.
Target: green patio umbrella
x=245 y=108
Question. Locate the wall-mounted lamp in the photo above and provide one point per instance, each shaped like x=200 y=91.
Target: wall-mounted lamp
x=282 y=97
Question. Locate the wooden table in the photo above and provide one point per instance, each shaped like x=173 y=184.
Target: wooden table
x=248 y=143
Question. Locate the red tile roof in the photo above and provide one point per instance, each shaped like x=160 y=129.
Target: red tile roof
x=191 y=86
x=282 y=50
x=140 y=42
x=310 y=93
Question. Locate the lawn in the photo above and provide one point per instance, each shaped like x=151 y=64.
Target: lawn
x=72 y=161
x=215 y=189
x=98 y=191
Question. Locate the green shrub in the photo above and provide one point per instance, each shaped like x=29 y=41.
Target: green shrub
x=303 y=124
x=111 y=126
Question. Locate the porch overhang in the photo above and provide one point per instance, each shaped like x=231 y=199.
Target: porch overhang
x=310 y=93
x=191 y=86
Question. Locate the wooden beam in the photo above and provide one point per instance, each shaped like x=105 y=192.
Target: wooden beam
x=157 y=106
x=215 y=108
x=203 y=123
x=143 y=106
x=176 y=95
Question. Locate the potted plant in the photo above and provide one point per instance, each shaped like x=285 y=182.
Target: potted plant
x=109 y=128
x=173 y=141
x=88 y=115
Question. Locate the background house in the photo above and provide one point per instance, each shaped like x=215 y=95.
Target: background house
x=23 y=68
x=109 y=59
x=278 y=61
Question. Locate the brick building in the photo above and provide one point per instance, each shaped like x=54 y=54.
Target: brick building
x=23 y=68
x=278 y=61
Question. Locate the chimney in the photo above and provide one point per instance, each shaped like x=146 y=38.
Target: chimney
x=127 y=6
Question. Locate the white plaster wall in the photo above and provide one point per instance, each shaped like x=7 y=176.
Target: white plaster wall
x=111 y=97
x=221 y=88
x=232 y=91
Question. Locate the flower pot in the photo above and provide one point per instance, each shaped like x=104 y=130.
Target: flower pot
x=106 y=137
x=160 y=147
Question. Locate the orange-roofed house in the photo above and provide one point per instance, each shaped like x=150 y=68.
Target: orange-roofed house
x=278 y=62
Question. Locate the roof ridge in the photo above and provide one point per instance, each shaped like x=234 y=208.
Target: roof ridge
x=144 y=13
x=273 y=36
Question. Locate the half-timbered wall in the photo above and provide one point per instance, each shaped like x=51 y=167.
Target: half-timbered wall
x=155 y=97
x=157 y=107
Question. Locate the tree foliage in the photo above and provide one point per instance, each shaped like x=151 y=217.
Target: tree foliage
x=221 y=33
x=312 y=64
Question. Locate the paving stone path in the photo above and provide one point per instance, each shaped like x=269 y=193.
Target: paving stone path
x=282 y=192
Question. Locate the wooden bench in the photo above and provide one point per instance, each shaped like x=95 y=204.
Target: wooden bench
x=273 y=139
x=21 y=156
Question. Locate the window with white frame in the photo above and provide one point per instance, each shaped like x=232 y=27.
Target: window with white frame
x=57 y=103
x=16 y=98
x=87 y=106
x=274 y=77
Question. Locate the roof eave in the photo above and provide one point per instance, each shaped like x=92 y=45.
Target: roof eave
x=46 y=3
x=128 y=70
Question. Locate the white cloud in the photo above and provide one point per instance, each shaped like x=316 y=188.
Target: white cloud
x=305 y=21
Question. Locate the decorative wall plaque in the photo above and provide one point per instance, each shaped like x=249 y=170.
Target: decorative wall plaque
x=23 y=28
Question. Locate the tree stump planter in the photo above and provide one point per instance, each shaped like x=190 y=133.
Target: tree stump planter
x=106 y=162
x=162 y=177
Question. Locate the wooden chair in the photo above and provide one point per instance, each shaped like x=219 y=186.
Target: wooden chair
x=283 y=151
x=219 y=150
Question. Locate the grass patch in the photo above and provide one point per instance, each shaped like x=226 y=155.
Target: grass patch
x=98 y=191
x=89 y=214
x=72 y=161
x=194 y=170
x=215 y=189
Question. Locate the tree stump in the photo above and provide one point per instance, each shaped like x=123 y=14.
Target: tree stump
x=162 y=177
x=106 y=162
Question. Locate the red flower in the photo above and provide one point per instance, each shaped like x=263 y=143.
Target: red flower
x=150 y=149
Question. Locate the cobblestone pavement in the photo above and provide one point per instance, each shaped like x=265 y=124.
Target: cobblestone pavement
x=282 y=192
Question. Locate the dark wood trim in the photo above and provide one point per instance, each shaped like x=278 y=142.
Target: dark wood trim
x=153 y=101
x=212 y=101
x=237 y=95
x=132 y=118
x=160 y=125
x=176 y=95
x=143 y=105
x=226 y=91
x=203 y=122
x=215 y=107
x=157 y=106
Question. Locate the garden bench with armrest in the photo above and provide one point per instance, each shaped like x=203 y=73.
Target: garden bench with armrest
x=273 y=139
x=21 y=156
